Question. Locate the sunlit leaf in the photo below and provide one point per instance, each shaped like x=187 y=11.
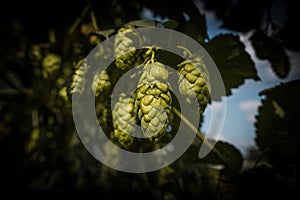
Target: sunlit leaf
x=233 y=62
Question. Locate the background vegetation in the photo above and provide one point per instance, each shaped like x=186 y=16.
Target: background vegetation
x=41 y=156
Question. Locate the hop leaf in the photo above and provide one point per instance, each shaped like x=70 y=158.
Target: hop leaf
x=124 y=120
x=153 y=102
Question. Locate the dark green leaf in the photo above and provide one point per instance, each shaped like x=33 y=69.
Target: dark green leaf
x=227 y=155
x=239 y=16
x=281 y=67
x=104 y=33
x=195 y=29
x=143 y=23
x=272 y=49
x=290 y=33
x=186 y=13
x=233 y=62
x=277 y=126
x=171 y=24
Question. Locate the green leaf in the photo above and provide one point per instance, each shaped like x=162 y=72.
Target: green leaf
x=239 y=16
x=195 y=28
x=186 y=13
x=222 y=153
x=143 y=23
x=171 y=24
x=233 y=62
x=104 y=33
x=225 y=154
x=277 y=126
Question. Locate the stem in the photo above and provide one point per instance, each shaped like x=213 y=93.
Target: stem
x=200 y=135
x=94 y=21
x=78 y=20
x=186 y=50
x=189 y=124
x=152 y=56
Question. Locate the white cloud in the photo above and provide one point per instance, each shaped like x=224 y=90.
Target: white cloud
x=249 y=108
x=216 y=106
x=295 y=62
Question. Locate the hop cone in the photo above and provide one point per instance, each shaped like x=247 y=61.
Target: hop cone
x=101 y=82
x=124 y=42
x=153 y=100
x=194 y=81
x=51 y=63
x=78 y=80
x=124 y=120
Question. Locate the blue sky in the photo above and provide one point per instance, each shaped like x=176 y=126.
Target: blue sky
x=242 y=105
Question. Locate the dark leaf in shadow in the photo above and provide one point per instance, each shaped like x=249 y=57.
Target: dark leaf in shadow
x=233 y=62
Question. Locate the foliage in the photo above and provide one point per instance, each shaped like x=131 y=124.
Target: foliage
x=279 y=141
x=233 y=61
x=42 y=64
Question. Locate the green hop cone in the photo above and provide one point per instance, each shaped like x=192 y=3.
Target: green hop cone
x=78 y=80
x=124 y=42
x=50 y=64
x=194 y=81
x=153 y=101
x=101 y=83
x=124 y=120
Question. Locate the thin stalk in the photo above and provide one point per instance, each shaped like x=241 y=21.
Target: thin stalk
x=94 y=21
x=200 y=135
x=78 y=20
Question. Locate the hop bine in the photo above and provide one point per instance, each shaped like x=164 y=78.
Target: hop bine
x=153 y=100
